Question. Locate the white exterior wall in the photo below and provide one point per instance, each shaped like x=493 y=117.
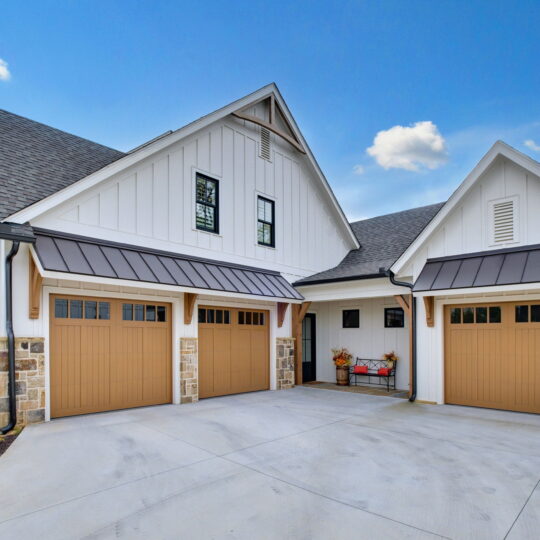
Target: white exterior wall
x=466 y=228
x=152 y=203
x=371 y=340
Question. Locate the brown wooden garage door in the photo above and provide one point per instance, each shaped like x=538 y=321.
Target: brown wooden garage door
x=233 y=351
x=492 y=355
x=108 y=354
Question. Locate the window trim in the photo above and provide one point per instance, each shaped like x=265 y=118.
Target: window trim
x=272 y=243
x=343 y=310
x=387 y=309
x=216 y=229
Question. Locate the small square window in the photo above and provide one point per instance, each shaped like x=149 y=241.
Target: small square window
x=127 y=312
x=455 y=315
x=104 y=310
x=351 y=318
x=161 y=313
x=139 y=312
x=522 y=314
x=394 y=318
x=468 y=315
x=481 y=315
x=60 y=308
x=494 y=314
x=75 y=309
x=90 y=309
x=151 y=313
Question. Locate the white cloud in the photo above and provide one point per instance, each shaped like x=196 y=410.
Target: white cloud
x=358 y=169
x=409 y=147
x=5 y=75
x=529 y=143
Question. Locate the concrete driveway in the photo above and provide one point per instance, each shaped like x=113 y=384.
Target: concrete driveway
x=303 y=463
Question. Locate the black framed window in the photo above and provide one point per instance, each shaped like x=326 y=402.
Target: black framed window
x=351 y=318
x=207 y=204
x=394 y=317
x=265 y=222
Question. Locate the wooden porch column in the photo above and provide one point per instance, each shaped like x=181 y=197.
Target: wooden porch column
x=405 y=302
x=298 y=313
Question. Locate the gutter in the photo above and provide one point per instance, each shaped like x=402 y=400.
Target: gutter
x=394 y=281
x=17 y=234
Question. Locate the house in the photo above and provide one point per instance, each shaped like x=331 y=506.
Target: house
x=203 y=263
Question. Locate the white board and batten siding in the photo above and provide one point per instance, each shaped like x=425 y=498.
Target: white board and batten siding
x=153 y=203
x=371 y=340
x=499 y=211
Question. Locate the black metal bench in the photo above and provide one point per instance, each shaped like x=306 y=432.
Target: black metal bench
x=373 y=368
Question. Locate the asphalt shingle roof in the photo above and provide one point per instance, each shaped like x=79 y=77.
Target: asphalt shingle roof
x=382 y=240
x=37 y=160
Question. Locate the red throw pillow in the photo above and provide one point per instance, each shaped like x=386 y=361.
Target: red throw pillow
x=360 y=369
x=384 y=371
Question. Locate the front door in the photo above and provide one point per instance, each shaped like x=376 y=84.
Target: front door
x=308 y=348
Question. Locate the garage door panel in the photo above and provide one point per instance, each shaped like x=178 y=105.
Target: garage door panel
x=233 y=351
x=494 y=364
x=103 y=360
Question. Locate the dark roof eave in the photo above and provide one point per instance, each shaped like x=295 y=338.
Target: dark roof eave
x=359 y=277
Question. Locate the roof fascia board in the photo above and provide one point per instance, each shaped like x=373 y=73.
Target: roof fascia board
x=50 y=202
x=498 y=149
x=487 y=292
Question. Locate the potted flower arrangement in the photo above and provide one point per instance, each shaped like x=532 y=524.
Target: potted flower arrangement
x=391 y=359
x=342 y=360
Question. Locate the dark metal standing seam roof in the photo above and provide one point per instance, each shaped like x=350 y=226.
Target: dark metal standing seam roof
x=484 y=269
x=62 y=252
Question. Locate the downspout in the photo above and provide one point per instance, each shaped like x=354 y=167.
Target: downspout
x=394 y=281
x=11 y=340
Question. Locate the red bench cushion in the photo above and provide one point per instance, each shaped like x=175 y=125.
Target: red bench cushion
x=384 y=371
x=360 y=369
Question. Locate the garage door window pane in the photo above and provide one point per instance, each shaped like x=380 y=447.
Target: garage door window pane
x=210 y=318
x=104 y=310
x=151 y=313
x=75 y=309
x=248 y=317
x=90 y=310
x=522 y=314
x=481 y=315
x=127 y=312
x=261 y=319
x=139 y=312
x=455 y=316
x=219 y=316
x=494 y=314
x=535 y=313
x=227 y=317
x=60 y=308
x=256 y=319
x=161 y=313
x=468 y=315
x=202 y=315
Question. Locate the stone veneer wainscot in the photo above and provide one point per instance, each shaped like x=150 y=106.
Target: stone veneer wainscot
x=284 y=363
x=29 y=380
x=189 y=375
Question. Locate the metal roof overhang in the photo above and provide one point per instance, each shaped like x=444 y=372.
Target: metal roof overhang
x=509 y=266
x=63 y=252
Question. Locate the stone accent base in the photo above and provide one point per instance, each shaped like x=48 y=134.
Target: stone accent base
x=189 y=376
x=284 y=363
x=29 y=380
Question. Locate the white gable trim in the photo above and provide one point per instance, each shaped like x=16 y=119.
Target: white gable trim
x=44 y=205
x=498 y=149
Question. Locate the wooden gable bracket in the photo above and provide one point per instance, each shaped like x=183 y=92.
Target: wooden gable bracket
x=281 y=312
x=429 y=306
x=34 y=288
x=189 y=306
x=298 y=313
x=404 y=302
x=271 y=124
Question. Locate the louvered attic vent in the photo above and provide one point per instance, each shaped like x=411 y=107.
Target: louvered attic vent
x=264 y=146
x=504 y=214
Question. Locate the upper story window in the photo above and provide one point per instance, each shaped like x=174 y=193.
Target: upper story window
x=207 y=204
x=265 y=222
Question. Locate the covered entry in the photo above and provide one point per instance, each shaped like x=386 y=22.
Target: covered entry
x=233 y=351
x=108 y=354
x=492 y=355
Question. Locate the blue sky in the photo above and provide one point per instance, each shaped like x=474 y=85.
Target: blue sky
x=455 y=75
